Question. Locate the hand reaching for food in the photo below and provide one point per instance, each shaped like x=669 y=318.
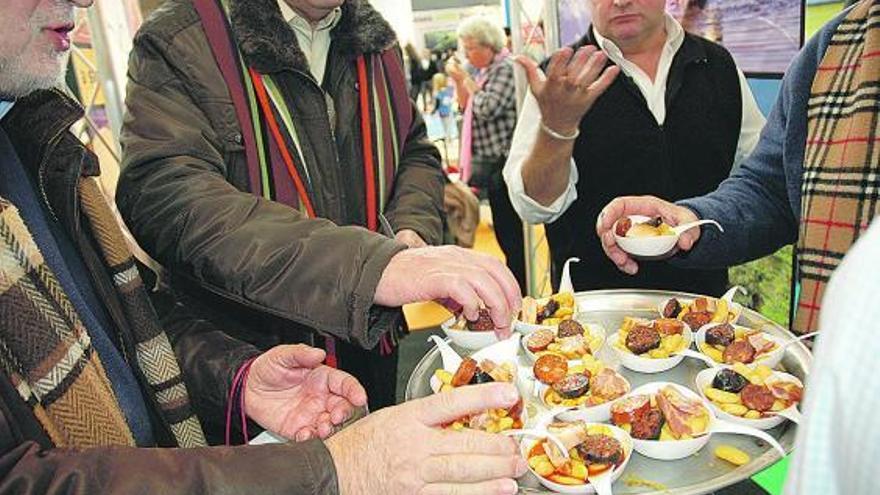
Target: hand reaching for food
x=473 y=280
x=378 y=454
x=648 y=206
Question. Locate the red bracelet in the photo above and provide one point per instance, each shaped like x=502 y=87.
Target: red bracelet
x=237 y=389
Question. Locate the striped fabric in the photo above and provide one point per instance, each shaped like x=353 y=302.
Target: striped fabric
x=841 y=180
x=45 y=348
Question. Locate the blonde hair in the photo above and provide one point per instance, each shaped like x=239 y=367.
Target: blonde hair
x=483 y=31
x=438 y=81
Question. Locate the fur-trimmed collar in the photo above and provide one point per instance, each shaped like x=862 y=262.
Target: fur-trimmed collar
x=268 y=44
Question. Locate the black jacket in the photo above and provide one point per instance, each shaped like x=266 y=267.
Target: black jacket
x=622 y=151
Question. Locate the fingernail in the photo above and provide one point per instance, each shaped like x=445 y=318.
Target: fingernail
x=521 y=467
x=509 y=394
x=510 y=487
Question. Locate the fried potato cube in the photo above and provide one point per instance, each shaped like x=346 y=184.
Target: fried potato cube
x=732 y=455
x=752 y=414
x=721 y=396
x=444 y=376
x=735 y=409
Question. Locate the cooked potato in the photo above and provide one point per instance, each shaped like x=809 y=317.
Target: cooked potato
x=732 y=455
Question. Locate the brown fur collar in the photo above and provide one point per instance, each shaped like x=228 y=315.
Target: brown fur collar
x=268 y=44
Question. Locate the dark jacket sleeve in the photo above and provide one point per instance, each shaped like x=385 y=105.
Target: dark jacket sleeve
x=417 y=201
x=175 y=196
x=209 y=359
x=303 y=468
x=759 y=205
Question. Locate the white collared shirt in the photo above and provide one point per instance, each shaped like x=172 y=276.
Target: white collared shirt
x=5 y=107
x=314 y=41
x=527 y=127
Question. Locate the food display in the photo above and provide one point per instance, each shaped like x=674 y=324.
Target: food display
x=548 y=312
x=576 y=380
x=655 y=339
x=752 y=393
x=571 y=340
x=593 y=449
x=665 y=416
x=588 y=384
x=729 y=344
x=701 y=311
x=652 y=227
x=470 y=372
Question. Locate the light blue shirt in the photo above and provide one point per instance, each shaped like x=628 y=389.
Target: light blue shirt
x=838 y=443
x=5 y=107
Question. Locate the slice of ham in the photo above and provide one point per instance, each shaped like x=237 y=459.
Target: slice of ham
x=786 y=391
x=760 y=343
x=608 y=384
x=570 y=434
x=677 y=409
x=576 y=344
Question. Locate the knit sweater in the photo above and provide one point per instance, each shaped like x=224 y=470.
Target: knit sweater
x=759 y=205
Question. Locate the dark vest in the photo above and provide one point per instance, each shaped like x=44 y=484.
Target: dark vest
x=622 y=151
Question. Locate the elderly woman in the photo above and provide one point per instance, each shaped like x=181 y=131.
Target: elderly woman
x=489 y=119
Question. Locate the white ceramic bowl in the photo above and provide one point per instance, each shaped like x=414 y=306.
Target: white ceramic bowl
x=670 y=450
x=506 y=351
x=594 y=329
x=770 y=359
x=598 y=413
x=620 y=435
x=646 y=247
x=734 y=307
x=704 y=379
x=648 y=364
x=467 y=338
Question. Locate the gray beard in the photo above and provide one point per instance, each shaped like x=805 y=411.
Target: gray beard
x=16 y=81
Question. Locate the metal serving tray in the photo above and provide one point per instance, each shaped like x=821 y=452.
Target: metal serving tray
x=698 y=474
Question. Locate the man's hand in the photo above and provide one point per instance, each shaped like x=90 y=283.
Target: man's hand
x=641 y=205
x=401 y=450
x=410 y=238
x=291 y=393
x=471 y=279
x=573 y=82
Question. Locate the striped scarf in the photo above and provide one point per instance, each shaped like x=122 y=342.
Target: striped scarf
x=841 y=181
x=46 y=352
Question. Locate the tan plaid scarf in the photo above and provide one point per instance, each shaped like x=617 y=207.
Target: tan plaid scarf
x=46 y=352
x=841 y=181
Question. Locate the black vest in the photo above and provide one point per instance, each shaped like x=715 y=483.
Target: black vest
x=622 y=151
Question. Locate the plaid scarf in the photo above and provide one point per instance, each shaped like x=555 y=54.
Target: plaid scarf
x=841 y=181
x=46 y=352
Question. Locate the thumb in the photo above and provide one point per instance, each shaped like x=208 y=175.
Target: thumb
x=445 y=407
x=296 y=356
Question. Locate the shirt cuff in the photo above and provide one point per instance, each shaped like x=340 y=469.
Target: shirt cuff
x=533 y=212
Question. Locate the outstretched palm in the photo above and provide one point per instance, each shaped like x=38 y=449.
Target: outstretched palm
x=291 y=393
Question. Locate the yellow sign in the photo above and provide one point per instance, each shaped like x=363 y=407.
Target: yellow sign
x=90 y=90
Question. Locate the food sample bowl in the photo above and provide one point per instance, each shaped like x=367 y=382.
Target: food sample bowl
x=594 y=428
x=771 y=358
x=704 y=379
x=644 y=364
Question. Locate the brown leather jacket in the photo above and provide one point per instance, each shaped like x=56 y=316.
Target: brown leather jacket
x=29 y=463
x=264 y=269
